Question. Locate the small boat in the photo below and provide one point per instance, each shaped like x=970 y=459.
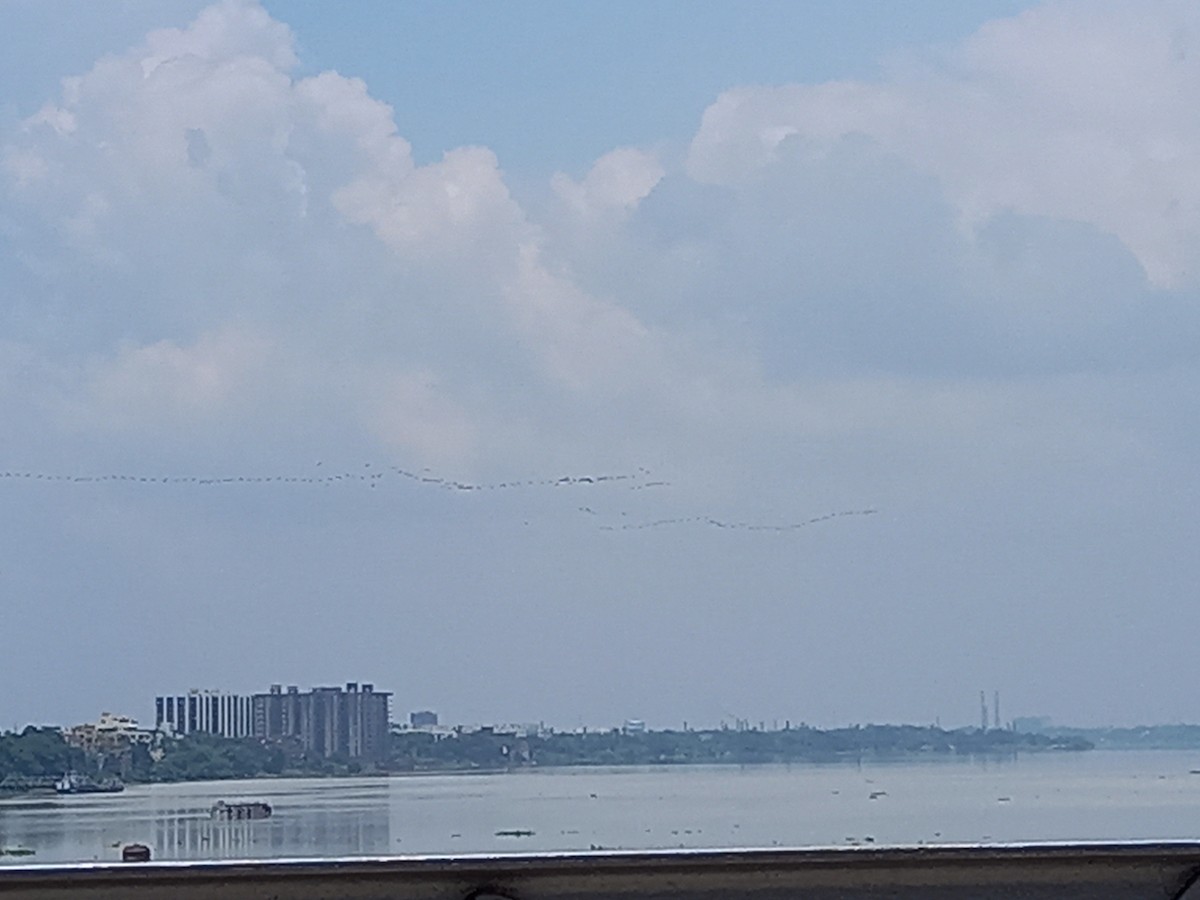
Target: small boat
x=135 y=853
x=79 y=784
x=238 y=810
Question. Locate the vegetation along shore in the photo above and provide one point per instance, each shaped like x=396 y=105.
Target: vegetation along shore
x=33 y=757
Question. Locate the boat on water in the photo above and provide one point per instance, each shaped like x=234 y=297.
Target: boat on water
x=239 y=810
x=18 y=786
x=80 y=784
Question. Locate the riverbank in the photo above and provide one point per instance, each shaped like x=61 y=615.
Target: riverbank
x=431 y=752
x=203 y=757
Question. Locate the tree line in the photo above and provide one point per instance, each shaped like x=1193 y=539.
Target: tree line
x=413 y=751
x=42 y=753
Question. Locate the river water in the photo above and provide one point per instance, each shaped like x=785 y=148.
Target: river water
x=1101 y=795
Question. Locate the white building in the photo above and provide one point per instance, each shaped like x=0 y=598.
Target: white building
x=109 y=733
x=212 y=712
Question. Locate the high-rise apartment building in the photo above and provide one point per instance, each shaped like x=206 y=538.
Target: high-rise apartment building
x=349 y=722
x=212 y=712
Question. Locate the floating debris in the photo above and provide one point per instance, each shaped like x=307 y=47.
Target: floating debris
x=240 y=809
x=135 y=853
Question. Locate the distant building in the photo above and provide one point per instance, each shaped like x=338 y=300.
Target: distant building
x=1031 y=724
x=634 y=726
x=326 y=721
x=109 y=734
x=510 y=729
x=350 y=722
x=211 y=712
x=424 y=718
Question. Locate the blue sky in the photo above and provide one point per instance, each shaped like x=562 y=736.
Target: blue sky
x=309 y=277
x=547 y=85
x=554 y=85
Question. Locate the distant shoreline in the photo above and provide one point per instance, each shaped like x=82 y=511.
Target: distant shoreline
x=935 y=758
x=532 y=768
x=197 y=757
x=201 y=757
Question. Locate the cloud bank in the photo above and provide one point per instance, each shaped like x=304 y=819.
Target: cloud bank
x=964 y=294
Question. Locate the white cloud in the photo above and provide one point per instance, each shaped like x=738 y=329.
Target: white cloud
x=230 y=29
x=1071 y=110
x=450 y=208
x=926 y=294
x=619 y=180
x=413 y=416
x=201 y=192
x=208 y=383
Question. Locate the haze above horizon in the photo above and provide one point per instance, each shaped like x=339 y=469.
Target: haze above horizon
x=678 y=361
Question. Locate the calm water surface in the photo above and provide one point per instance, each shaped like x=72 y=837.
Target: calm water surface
x=1102 y=795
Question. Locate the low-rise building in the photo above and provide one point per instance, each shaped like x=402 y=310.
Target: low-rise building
x=111 y=733
x=424 y=718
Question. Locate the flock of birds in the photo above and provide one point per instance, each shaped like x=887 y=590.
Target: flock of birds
x=367 y=474
x=745 y=526
x=373 y=475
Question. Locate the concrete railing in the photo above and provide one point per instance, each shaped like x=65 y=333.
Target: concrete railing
x=1061 y=872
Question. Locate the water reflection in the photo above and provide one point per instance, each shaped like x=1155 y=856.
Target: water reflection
x=194 y=834
x=1094 y=796
x=175 y=820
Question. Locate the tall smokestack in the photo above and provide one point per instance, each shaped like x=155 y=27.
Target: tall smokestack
x=996 y=710
x=983 y=717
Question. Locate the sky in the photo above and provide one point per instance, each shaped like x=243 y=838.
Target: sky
x=571 y=362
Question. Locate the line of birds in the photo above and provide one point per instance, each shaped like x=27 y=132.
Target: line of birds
x=744 y=526
x=367 y=476
x=373 y=475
